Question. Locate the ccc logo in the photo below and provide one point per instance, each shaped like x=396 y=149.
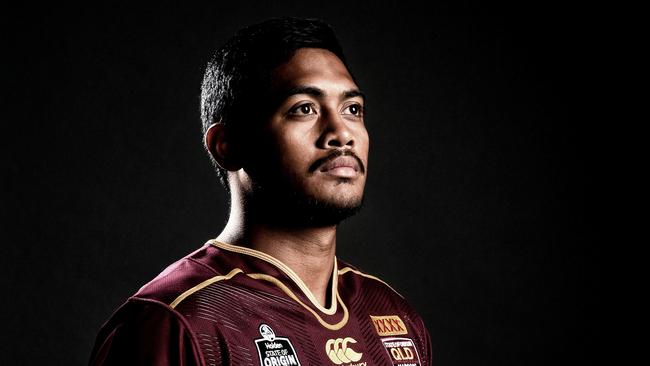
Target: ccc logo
x=339 y=352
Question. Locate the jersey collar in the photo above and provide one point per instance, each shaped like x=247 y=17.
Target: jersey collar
x=289 y=273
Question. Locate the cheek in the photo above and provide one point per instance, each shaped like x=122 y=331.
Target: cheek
x=294 y=147
x=363 y=143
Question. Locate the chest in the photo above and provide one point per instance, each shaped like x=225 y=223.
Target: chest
x=241 y=327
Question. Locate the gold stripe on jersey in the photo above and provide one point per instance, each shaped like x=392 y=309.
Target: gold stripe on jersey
x=348 y=269
x=288 y=271
x=276 y=282
x=204 y=284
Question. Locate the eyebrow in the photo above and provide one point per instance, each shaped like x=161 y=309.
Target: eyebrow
x=318 y=93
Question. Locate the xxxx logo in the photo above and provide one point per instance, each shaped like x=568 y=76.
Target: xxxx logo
x=339 y=352
x=388 y=325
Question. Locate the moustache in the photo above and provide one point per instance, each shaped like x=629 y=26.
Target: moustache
x=333 y=155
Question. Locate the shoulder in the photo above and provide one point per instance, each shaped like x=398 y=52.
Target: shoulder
x=180 y=276
x=133 y=335
x=357 y=279
x=147 y=329
x=372 y=292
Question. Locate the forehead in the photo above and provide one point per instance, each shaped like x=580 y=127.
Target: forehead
x=313 y=67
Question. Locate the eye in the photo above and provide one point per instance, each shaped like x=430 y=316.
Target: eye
x=303 y=109
x=354 y=109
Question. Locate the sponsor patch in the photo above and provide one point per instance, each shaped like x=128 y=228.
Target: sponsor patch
x=340 y=352
x=402 y=351
x=275 y=351
x=388 y=325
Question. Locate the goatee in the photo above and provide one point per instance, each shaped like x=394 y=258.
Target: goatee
x=296 y=209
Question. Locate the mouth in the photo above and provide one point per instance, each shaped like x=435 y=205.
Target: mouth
x=340 y=164
x=343 y=167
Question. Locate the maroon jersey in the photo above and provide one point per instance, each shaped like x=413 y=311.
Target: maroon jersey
x=230 y=305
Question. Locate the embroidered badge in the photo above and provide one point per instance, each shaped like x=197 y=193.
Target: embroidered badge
x=402 y=351
x=388 y=325
x=275 y=351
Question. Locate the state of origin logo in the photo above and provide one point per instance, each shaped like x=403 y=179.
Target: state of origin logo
x=275 y=351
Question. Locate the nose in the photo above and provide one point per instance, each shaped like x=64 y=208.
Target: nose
x=336 y=133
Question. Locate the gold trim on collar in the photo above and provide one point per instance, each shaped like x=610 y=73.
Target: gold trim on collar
x=276 y=282
x=348 y=269
x=284 y=288
x=289 y=272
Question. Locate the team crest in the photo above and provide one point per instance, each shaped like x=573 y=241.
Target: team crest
x=402 y=351
x=340 y=352
x=388 y=325
x=273 y=350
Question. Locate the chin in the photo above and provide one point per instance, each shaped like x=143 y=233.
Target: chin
x=321 y=204
x=328 y=212
x=303 y=209
x=342 y=194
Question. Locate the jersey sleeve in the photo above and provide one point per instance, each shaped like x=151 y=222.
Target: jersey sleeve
x=424 y=339
x=429 y=355
x=421 y=336
x=145 y=332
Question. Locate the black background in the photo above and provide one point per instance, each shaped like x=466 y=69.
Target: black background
x=477 y=199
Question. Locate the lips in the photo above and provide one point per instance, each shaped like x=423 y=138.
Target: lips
x=340 y=162
x=341 y=167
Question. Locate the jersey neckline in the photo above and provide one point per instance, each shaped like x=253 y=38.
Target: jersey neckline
x=289 y=273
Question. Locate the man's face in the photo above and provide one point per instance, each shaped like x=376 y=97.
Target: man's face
x=314 y=147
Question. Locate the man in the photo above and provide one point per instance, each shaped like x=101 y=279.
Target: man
x=283 y=121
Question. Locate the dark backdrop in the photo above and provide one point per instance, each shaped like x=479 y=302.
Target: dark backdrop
x=476 y=200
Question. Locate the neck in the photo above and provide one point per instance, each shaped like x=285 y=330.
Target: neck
x=308 y=251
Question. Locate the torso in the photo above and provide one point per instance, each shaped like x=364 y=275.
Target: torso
x=243 y=307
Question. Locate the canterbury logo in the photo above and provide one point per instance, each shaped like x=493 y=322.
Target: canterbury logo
x=388 y=325
x=339 y=352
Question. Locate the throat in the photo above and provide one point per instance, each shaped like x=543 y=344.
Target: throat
x=327 y=302
x=308 y=252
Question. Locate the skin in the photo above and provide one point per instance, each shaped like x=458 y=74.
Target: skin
x=322 y=113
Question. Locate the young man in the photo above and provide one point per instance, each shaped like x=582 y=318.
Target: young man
x=283 y=121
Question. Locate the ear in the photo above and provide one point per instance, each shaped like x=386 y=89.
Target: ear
x=218 y=141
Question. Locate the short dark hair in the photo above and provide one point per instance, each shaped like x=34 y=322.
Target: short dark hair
x=243 y=65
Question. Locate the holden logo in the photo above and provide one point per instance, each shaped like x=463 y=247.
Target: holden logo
x=267 y=332
x=339 y=351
